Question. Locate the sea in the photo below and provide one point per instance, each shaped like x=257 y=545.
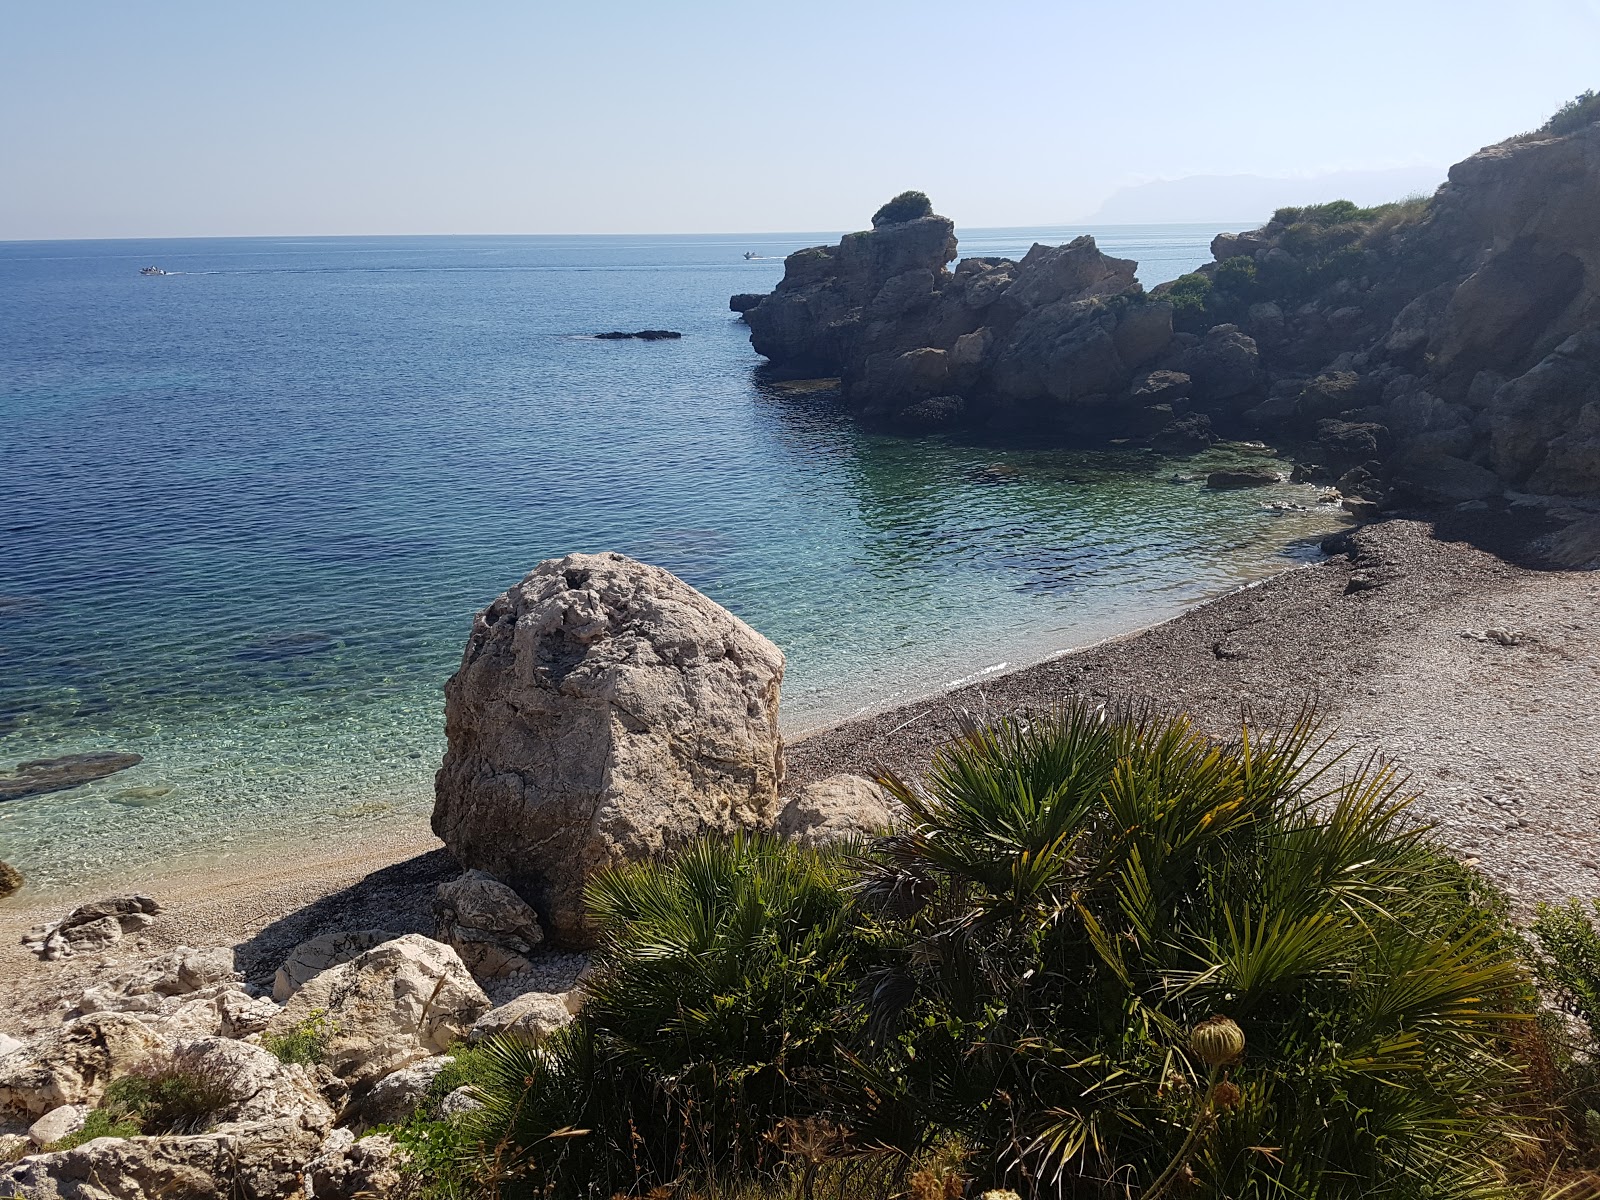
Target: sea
x=248 y=510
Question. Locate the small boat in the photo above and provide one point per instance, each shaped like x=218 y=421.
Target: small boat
x=152 y=271
x=749 y=254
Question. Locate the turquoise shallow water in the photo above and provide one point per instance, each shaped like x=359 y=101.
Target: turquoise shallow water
x=248 y=509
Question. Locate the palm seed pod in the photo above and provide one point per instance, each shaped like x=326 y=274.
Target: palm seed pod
x=1217 y=1041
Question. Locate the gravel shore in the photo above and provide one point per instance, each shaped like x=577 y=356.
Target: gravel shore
x=1445 y=646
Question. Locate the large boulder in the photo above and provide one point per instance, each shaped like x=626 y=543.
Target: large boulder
x=533 y=1016
x=1544 y=426
x=604 y=711
x=402 y=1001
x=91 y=927
x=74 y=1064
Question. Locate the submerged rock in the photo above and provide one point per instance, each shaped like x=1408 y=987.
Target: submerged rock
x=42 y=775
x=10 y=880
x=644 y=335
x=1222 y=481
x=604 y=711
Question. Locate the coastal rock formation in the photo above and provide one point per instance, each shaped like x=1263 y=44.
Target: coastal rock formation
x=604 y=711
x=833 y=809
x=487 y=923
x=1450 y=347
x=399 y=1002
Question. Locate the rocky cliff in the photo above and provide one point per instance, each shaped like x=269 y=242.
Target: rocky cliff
x=1440 y=349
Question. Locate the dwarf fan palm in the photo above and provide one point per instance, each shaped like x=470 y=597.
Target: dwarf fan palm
x=1075 y=892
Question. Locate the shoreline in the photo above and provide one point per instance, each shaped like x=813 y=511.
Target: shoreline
x=1377 y=637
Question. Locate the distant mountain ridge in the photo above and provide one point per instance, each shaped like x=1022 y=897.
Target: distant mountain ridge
x=1244 y=200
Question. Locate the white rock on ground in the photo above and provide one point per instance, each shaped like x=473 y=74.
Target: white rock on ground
x=73 y=1064
x=833 y=809
x=8 y=1044
x=396 y=1096
x=487 y=923
x=532 y=1017
x=91 y=927
x=604 y=710
x=348 y=1168
x=312 y=957
x=57 y=1124
x=399 y=1002
x=459 y=1102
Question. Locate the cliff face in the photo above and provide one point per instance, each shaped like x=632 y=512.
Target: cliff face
x=1441 y=349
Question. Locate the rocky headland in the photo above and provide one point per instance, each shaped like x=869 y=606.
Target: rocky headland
x=1437 y=350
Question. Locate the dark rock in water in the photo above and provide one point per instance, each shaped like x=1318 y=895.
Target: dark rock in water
x=43 y=775
x=936 y=412
x=1223 y=481
x=745 y=301
x=10 y=880
x=644 y=335
x=1189 y=434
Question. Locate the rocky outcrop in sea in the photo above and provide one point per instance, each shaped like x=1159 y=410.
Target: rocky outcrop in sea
x=1437 y=350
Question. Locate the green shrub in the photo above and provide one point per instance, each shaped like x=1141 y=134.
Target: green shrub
x=907 y=206
x=1571 y=943
x=722 y=995
x=1188 y=295
x=1581 y=110
x=1077 y=892
x=306 y=1043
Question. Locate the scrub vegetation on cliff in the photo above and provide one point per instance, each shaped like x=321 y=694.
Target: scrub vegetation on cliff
x=1105 y=955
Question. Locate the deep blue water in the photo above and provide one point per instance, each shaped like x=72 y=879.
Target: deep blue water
x=248 y=509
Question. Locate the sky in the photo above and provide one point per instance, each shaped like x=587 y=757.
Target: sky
x=168 y=119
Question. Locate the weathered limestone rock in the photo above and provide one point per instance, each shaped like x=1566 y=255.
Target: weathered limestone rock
x=74 y=1064
x=57 y=1124
x=10 y=880
x=351 y=1169
x=261 y=1161
x=404 y=1000
x=532 y=1016
x=833 y=809
x=603 y=712
x=395 y=1097
x=487 y=923
x=312 y=957
x=261 y=1089
x=91 y=927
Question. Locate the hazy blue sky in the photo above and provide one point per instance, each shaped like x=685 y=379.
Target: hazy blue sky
x=361 y=116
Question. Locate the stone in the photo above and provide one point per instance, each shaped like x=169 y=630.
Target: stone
x=402 y=1001
x=10 y=880
x=936 y=412
x=644 y=335
x=1443 y=479
x=1161 y=387
x=1188 y=434
x=261 y=1161
x=57 y=1124
x=9 y=1043
x=350 y=1169
x=311 y=958
x=1544 y=425
x=459 y=1103
x=1361 y=509
x=1226 y=365
x=604 y=712
x=1352 y=441
x=73 y=1065
x=532 y=1017
x=396 y=1096
x=744 y=302
x=488 y=924
x=835 y=809
x=258 y=1088
x=91 y=927
x=1075 y=271
x=43 y=775
x=1222 y=481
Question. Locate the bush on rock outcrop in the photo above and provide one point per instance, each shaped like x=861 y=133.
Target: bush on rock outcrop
x=907 y=206
x=604 y=712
